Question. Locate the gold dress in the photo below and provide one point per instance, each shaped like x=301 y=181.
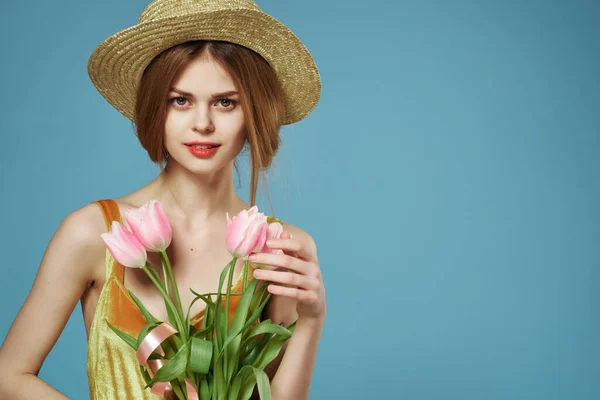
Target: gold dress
x=112 y=367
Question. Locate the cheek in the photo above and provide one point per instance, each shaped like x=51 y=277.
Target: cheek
x=175 y=126
x=232 y=121
x=234 y=128
x=175 y=121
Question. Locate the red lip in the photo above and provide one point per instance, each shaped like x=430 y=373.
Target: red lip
x=202 y=153
x=202 y=143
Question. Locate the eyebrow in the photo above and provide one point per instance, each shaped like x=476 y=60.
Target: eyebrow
x=215 y=95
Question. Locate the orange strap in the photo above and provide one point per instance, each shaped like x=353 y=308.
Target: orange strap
x=110 y=211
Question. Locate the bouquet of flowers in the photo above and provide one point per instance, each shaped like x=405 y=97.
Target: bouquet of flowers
x=224 y=359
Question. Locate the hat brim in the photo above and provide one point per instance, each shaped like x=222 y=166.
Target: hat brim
x=116 y=65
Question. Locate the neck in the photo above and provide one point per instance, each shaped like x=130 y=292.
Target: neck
x=196 y=199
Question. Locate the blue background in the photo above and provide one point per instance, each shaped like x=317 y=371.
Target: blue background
x=449 y=175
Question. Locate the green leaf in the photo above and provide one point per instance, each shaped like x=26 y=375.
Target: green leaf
x=208 y=308
x=218 y=386
x=228 y=358
x=172 y=317
x=236 y=384
x=254 y=348
x=203 y=334
x=193 y=330
x=219 y=330
x=204 y=390
x=177 y=385
x=145 y=330
x=175 y=367
x=176 y=312
x=201 y=355
x=149 y=317
x=257 y=300
x=271 y=350
x=130 y=340
x=209 y=316
x=207 y=320
x=145 y=373
x=232 y=344
x=237 y=327
x=155 y=356
x=266 y=327
x=259 y=378
x=264 y=386
x=198 y=297
x=177 y=340
x=210 y=380
x=253 y=318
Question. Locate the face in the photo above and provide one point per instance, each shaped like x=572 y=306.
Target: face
x=200 y=109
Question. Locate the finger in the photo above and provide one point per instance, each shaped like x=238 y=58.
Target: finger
x=290 y=246
x=287 y=278
x=279 y=260
x=307 y=296
x=287 y=235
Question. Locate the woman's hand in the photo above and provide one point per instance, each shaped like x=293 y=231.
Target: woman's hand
x=301 y=274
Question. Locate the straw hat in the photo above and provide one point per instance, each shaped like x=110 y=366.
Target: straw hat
x=116 y=65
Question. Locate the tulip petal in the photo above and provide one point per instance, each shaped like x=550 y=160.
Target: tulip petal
x=149 y=223
x=275 y=229
x=246 y=232
x=124 y=246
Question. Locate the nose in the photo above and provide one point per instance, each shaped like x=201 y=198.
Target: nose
x=203 y=121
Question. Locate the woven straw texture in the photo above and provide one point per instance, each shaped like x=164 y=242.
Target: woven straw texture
x=116 y=65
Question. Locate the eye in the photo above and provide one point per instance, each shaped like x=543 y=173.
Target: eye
x=180 y=102
x=231 y=102
x=177 y=102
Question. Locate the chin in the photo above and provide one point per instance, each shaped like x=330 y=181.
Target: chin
x=203 y=167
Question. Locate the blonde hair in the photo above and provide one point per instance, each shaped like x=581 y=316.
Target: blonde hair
x=260 y=92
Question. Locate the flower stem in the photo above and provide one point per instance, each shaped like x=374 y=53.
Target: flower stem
x=228 y=294
x=245 y=283
x=170 y=271
x=215 y=294
x=170 y=350
x=180 y=326
x=164 y=268
x=152 y=269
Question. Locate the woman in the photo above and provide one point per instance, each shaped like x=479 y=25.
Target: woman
x=190 y=75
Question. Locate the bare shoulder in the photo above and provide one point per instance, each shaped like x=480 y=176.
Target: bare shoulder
x=87 y=224
x=302 y=236
x=68 y=266
x=78 y=233
x=87 y=221
x=82 y=228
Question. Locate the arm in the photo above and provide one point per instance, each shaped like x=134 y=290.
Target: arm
x=63 y=276
x=293 y=377
x=291 y=371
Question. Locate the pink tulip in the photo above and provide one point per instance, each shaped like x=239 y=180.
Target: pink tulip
x=150 y=225
x=246 y=233
x=275 y=229
x=274 y=232
x=124 y=246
